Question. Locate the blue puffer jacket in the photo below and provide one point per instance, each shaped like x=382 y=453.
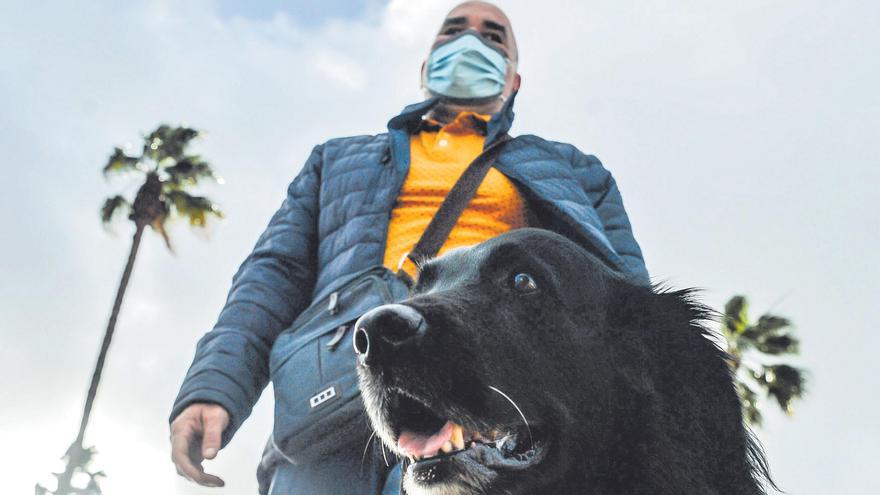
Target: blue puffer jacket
x=334 y=223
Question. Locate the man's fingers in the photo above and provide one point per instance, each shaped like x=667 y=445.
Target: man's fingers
x=206 y=479
x=180 y=456
x=188 y=462
x=214 y=421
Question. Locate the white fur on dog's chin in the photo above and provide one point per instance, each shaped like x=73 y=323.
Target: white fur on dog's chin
x=373 y=405
x=416 y=488
x=471 y=484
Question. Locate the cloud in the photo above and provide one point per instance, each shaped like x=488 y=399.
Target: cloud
x=743 y=137
x=341 y=70
x=408 y=22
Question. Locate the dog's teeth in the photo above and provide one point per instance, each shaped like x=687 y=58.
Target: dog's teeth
x=447 y=447
x=499 y=444
x=457 y=437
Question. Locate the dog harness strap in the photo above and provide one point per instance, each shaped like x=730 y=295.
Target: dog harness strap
x=456 y=201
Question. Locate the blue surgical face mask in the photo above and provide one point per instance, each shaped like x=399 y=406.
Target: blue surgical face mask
x=464 y=67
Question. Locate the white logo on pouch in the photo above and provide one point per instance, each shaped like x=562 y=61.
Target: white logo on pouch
x=322 y=397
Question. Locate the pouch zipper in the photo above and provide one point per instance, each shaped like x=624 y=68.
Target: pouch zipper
x=337 y=337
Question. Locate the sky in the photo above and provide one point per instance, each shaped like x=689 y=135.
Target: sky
x=745 y=138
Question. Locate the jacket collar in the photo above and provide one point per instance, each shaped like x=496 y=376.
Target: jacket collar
x=500 y=122
x=411 y=117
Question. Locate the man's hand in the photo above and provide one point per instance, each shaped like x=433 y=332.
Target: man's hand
x=195 y=436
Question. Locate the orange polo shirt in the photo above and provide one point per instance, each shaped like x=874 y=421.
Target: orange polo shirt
x=438 y=156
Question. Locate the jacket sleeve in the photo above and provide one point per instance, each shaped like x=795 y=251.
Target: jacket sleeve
x=272 y=286
x=602 y=190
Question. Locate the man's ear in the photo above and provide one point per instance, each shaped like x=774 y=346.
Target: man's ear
x=422 y=73
x=516 y=82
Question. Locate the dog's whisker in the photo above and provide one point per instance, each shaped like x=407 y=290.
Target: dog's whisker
x=382 y=444
x=367 y=446
x=523 y=416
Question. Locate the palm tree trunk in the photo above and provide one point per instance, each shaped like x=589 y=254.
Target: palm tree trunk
x=76 y=454
x=108 y=334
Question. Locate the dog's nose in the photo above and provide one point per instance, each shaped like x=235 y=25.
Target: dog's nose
x=385 y=328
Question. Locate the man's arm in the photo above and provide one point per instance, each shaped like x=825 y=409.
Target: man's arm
x=231 y=365
x=602 y=190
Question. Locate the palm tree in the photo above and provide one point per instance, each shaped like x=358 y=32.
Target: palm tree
x=168 y=172
x=770 y=336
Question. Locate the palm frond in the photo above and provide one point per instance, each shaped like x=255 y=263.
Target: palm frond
x=77 y=463
x=783 y=382
x=168 y=142
x=119 y=161
x=195 y=208
x=767 y=336
x=113 y=207
x=154 y=140
x=188 y=171
x=750 y=404
x=779 y=344
x=735 y=315
x=158 y=226
x=771 y=324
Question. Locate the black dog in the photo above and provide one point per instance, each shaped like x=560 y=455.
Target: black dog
x=524 y=366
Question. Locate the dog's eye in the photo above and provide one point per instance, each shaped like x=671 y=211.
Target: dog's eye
x=523 y=282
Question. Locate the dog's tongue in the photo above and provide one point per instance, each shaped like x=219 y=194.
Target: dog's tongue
x=414 y=444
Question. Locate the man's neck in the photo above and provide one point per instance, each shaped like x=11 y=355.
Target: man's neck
x=445 y=112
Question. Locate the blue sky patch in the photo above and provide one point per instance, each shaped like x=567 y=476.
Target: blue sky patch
x=306 y=12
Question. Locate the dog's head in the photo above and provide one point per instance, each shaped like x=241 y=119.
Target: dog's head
x=480 y=377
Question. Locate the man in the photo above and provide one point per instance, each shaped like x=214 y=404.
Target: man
x=365 y=200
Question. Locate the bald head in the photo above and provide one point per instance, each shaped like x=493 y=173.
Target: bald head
x=483 y=17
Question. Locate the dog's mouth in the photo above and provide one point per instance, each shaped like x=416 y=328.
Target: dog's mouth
x=422 y=434
x=441 y=448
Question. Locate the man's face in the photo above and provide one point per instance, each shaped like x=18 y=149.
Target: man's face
x=490 y=23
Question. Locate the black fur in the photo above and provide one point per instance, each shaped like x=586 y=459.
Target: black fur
x=622 y=387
